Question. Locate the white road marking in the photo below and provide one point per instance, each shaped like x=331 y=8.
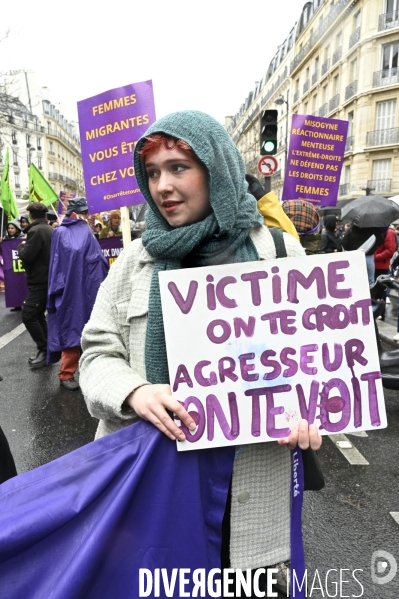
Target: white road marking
x=11 y=335
x=348 y=450
x=395 y=516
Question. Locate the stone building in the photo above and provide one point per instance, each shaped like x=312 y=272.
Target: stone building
x=341 y=62
x=51 y=141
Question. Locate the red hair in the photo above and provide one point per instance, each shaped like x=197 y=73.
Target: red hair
x=160 y=140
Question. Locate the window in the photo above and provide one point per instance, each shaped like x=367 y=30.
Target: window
x=338 y=40
x=39 y=143
x=297 y=85
x=336 y=85
x=354 y=69
x=28 y=140
x=51 y=147
x=39 y=162
x=347 y=174
x=314 y=103
x=325 y=94
x=17 y=182
x=326 y=52
x=48 y=128
x=350 y=123
x=390 y=59
x=51 y=169
x=391 y=6
x=356 y=21
x=316 y=64
x=385 y=115
x=382 y=169
x=14 y=158
x=14 y=136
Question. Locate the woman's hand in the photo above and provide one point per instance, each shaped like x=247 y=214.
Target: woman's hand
x=150 y=402
x=303 y=434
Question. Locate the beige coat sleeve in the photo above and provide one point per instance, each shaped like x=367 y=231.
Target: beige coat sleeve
x=106 y=375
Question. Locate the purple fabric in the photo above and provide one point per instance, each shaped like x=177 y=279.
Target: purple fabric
x=77 y=269
x=83 y=525
x=16 y=287
x=297 y=552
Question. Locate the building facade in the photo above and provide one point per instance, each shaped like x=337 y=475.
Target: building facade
x=344 y=65
x=51 y=141
x=20 y=133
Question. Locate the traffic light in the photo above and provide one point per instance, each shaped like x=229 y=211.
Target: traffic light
x=268 y=132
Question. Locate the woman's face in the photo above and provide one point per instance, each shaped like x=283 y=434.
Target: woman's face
x=24 y=223
x=115 y=221
x=12 y=230
x=178 y=185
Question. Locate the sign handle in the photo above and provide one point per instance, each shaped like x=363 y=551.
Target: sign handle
x=126 y=236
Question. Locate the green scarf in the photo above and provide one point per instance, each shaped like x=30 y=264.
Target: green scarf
x=221 y=238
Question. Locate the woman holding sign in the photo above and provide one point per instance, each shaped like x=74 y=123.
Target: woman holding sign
x=199 y=213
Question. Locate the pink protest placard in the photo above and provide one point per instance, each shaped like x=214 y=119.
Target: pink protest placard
x=255 y=347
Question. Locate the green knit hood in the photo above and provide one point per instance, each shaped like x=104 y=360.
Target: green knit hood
x=214 y=147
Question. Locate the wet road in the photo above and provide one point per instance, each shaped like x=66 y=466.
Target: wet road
x=344 y=524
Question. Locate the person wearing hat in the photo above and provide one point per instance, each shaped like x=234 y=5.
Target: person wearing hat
x=77 y=268
x=35 y=255
x=24 y=222
x=114 y=227
x=306 y=220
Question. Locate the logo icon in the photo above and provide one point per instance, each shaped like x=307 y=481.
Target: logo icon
x=383 y=567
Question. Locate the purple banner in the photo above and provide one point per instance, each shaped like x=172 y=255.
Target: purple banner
x=16 y=287
x=110 y=125
x=65 y=196
x=315 y=158
x=111 y=248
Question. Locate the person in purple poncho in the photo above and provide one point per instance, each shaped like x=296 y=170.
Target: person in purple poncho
x=77 y=269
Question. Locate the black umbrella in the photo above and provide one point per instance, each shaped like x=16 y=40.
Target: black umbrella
x=371 y=211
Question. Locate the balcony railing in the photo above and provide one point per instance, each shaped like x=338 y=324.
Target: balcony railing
x=382 y=137
x=334 y=103
x=315 y=77
x=354 y=37
x=53 y=176
x=350 y=90
x=296 y=96
x=51 y=153
x=325 y=66
x=344 y=189
x=349 y=144
x=323 y=109
x=276 y=176
x=15 y=162
x=70 y=182
x=380 y=185
x=388 y=21
x=337 y=55
x=385 y=77
x=306 y=86
x=17 y=185
x=336 y=9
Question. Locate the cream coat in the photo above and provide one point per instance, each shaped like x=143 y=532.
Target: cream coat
x=112 y=366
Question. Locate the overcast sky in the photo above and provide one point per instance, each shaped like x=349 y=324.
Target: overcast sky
x=201 y=55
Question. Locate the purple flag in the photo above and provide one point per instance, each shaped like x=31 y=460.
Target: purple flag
x=85 y=524
x=110 y=125
x=16 y=287
x=315 y=158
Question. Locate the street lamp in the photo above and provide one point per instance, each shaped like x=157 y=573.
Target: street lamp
x=280 y=101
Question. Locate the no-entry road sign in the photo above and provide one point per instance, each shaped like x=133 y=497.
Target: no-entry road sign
x=267 y=166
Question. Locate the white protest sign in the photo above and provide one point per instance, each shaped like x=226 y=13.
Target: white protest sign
x=256 y=346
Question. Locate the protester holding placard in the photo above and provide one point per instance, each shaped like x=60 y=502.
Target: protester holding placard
x=199 y=213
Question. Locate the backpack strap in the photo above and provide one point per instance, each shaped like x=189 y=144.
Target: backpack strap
x=278 y=239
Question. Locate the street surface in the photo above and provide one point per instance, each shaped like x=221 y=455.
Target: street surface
x=343 y=525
